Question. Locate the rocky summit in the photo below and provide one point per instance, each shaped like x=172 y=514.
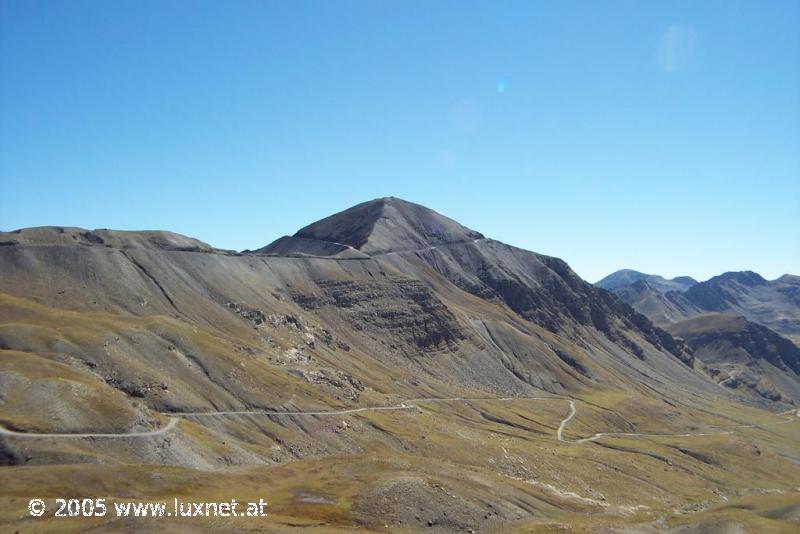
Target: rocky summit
x=388 y=368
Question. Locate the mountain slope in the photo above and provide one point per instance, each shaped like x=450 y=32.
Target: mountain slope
x=539 y=288
x=464 y=313
x=726 y=323
x=742 y=354
x=775 y=304
x=118 y=239
x=663 y=308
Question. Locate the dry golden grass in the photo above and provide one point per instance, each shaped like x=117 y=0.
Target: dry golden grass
x=490 y=465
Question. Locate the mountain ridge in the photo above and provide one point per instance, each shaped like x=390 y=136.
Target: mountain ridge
x=743 y=355
x=773 y=303
x=104 y=237
x=625 y=277
x=738 y=323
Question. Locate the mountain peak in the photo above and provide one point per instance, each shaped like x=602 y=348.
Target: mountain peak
x=388 y=224
x=686 y=280
x=747 y=278
x=625 y=277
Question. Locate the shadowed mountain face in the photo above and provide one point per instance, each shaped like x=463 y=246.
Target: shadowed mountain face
x=743 y=355
x=625 y=277
x=377 y=306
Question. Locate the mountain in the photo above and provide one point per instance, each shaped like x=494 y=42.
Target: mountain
x=744 y=355
x=663 y=308
x=388 y=225
x=383 y=366
x=625 y=277
x=775 y=304
x=373 y=228
x=732 y=323
x=116 y=239
x=539 y=288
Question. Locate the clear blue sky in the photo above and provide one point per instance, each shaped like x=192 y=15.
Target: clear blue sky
x=659 y=136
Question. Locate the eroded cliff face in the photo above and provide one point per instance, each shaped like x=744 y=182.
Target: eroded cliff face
x=403 y=309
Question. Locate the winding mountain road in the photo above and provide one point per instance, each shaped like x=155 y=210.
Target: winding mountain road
x=366 y=257
x=410 y=404
x=149 y=433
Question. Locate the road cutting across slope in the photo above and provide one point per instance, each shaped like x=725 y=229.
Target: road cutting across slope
x=410 y=404
x=367 y=256
x=145 y=434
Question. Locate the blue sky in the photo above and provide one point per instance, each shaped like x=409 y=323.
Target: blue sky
x=659 y=136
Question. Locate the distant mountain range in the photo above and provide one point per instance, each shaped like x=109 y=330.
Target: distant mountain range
x=749 y=325
x=626 y=277
x=743 y=354
x=773 y=303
